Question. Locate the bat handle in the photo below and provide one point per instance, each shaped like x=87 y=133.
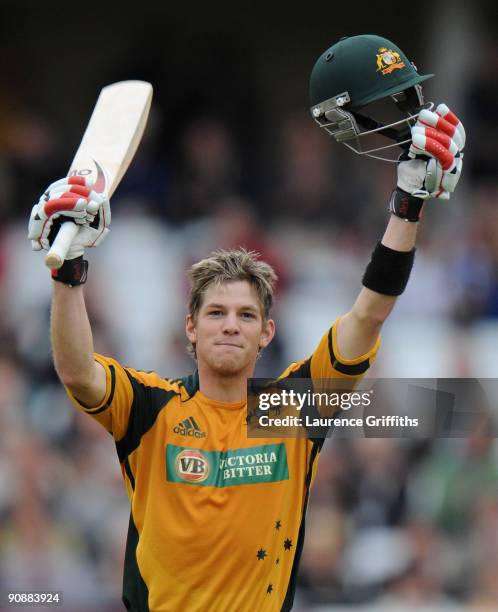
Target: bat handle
x=55 y=257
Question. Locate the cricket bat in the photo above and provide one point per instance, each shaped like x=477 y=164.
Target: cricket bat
x=107 y=148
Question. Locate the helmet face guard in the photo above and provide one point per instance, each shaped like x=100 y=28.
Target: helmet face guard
x=355 y=67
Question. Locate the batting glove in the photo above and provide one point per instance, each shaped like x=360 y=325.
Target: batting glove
x=70 y=199
x=433 y=165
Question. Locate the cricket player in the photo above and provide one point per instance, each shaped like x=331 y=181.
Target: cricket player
x=217 y=519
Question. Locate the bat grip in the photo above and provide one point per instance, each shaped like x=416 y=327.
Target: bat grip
x=55 y=257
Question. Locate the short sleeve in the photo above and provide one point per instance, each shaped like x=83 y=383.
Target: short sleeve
x=113 y=412
x=327 y=362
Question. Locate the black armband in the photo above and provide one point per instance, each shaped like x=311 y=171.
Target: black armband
x=405 y=206
x=389 y=270
x=73 y=272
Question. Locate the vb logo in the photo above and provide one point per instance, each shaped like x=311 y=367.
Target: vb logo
x=192 y=465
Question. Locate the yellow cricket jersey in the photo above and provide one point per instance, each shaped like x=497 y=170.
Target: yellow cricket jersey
x=217 y=518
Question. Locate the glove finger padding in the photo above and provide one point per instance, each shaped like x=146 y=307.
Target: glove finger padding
x=70 y=199
x=70 y=180
x=430 y=140
x=424 y=145
x=459 y=135
x=433 y=164
x=438 y=138
x=443 y=167
x=66 y=203
x=74 y=187
x=444 y=121
x=96 y=200
x=43 y=229
x=92 y=234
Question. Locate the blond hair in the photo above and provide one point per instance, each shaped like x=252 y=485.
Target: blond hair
x=223 y=266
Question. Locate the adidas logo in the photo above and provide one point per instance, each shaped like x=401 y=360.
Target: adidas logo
x=188 y=427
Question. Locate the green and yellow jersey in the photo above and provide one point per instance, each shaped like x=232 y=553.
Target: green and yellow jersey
x=217 y=518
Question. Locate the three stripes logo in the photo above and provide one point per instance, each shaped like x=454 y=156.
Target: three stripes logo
x=188 y=427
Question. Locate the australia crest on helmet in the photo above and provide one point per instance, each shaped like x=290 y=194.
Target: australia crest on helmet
x=388 y=60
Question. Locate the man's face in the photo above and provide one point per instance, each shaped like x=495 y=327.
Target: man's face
x=229 y=329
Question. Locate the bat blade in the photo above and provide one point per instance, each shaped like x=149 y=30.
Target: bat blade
x=107 y=148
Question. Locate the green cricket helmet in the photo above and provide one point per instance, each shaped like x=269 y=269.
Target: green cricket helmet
x=358 y=73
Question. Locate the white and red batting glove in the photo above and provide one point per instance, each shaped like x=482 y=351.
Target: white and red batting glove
x=70 y=199
x=434 y=169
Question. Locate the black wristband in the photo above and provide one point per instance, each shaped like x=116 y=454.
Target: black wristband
x=405 y=206
x=389 y=270
x=73 y=272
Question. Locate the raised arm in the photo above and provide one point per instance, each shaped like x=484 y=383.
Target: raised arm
x=358 y=329
x=72 y=199
x=431 y=170
x=72 y=345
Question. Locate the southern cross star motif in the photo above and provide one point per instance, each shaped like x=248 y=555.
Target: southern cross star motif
x=278 y=524
x=261 y=554
x=269 y=589
x=288 y=544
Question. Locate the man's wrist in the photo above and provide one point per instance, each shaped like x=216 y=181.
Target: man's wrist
x=405 y=206
x=73 y=272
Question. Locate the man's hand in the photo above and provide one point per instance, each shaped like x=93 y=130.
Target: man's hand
x=70 y=199
x=434 y=162
x=432 y=166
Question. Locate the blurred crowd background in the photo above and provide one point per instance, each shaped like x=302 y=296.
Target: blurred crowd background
x=232 y=157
